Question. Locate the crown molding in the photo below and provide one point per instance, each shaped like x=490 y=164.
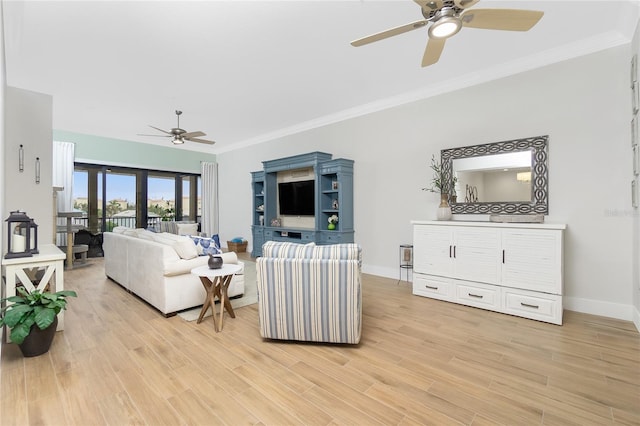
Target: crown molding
x=548 y=57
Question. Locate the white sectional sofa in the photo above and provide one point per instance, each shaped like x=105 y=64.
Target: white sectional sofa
x=157 y=268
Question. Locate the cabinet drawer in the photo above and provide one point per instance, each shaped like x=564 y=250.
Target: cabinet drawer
x=538 y=306
x=436 y=288
x=478 y=295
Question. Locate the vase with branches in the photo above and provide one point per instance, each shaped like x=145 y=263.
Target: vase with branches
x=440 y=185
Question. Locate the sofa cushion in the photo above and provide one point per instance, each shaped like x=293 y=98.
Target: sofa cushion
x=182 y=245
x=287 y=250
x=187 y=228
x=348 y=251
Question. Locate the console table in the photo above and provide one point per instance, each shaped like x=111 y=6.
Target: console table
x=49 y=263
x=513 y=268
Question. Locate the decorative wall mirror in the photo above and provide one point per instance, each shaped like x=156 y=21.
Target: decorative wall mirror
x=509 y=177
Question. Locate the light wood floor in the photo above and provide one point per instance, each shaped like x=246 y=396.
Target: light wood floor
x=420 y=361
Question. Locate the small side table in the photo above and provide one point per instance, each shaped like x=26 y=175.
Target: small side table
x=216 y=282
x=23 y=270
x=406 y=259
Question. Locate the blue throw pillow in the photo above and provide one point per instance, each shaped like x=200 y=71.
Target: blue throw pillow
x=206 y=246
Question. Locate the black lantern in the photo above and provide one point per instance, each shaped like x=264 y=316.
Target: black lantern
x=19 y=237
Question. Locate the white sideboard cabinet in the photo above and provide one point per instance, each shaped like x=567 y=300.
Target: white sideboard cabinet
x=512 y=268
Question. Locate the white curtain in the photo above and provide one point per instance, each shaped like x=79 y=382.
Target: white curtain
x=63 y=158
x=210 y=198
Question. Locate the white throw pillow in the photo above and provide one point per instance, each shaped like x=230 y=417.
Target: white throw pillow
x=185 y=248
x=187 y=228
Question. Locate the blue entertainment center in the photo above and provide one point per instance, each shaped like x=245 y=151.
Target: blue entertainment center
x=332 y=196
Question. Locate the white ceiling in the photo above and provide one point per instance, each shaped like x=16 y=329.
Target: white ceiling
x=245 y=72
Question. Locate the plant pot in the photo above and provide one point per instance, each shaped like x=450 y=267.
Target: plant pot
x=331 y=226
x=39 y=341
x=444 y=210
x=215 y=262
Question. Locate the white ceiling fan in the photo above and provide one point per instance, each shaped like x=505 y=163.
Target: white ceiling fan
x=447 y=17
x=179 y=135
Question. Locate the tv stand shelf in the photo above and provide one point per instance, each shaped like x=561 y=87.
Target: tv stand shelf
x=333 y=196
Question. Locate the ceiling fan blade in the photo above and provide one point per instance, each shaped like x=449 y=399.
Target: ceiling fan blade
x=433 y=51
x=200 y=140
x=193 y=134
x=163 y=131
x=389 y=33
x=155 y=136
x=501 y=19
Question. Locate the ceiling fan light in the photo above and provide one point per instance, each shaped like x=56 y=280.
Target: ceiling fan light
x=177 y=140
x=445 y=27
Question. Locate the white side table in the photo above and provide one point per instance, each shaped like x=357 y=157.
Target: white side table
x=216 y=282
x=23 y=270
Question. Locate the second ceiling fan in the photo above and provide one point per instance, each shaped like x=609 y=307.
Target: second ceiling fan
x=179 y=136
x=447 y=17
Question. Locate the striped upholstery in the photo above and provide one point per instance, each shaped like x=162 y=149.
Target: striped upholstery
x=309 y=294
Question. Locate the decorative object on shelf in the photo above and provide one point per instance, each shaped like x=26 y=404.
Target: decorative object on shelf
x=334 y=185
x=439 y=184
x=22 y=235
x=276 y=222
x=261 y=207
x=333 y=219
x=261 y=220
x=444 y=209
x=33 y=318
x=517 y=218
x=21 y=159
x=471 y=194
x=37 y=169
x=334 y=204
x=215 y=261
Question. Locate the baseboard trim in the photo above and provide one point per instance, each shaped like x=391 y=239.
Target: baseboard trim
x=636 y=319
x=598 y=307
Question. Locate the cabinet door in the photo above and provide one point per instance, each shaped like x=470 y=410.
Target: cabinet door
x=532 y=260
x=432 y=250
x=476 y=254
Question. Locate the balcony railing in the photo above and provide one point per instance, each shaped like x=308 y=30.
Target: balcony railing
x=113 y=221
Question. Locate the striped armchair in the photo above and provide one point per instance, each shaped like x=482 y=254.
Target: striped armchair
x=310 y=293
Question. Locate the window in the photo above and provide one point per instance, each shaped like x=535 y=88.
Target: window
x=161 y=196
x=135 y=198
x=120 y=196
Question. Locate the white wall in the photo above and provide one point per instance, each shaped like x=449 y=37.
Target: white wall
x=635 y=290
x=582 y=104
x=28 y=121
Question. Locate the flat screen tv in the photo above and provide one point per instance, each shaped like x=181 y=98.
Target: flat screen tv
x=297 y=198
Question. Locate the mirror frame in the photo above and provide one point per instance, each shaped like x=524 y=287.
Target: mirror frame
x=539 y=176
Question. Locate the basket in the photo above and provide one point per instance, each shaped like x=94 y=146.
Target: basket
x=237 y=247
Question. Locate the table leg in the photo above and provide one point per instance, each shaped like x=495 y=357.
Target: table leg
x=225 y=304
x=69 y=243
x=209 y=301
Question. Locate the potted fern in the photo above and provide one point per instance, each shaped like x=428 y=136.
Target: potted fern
x=33 y=318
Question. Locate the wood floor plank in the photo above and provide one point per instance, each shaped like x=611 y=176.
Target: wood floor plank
x=420 y=361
